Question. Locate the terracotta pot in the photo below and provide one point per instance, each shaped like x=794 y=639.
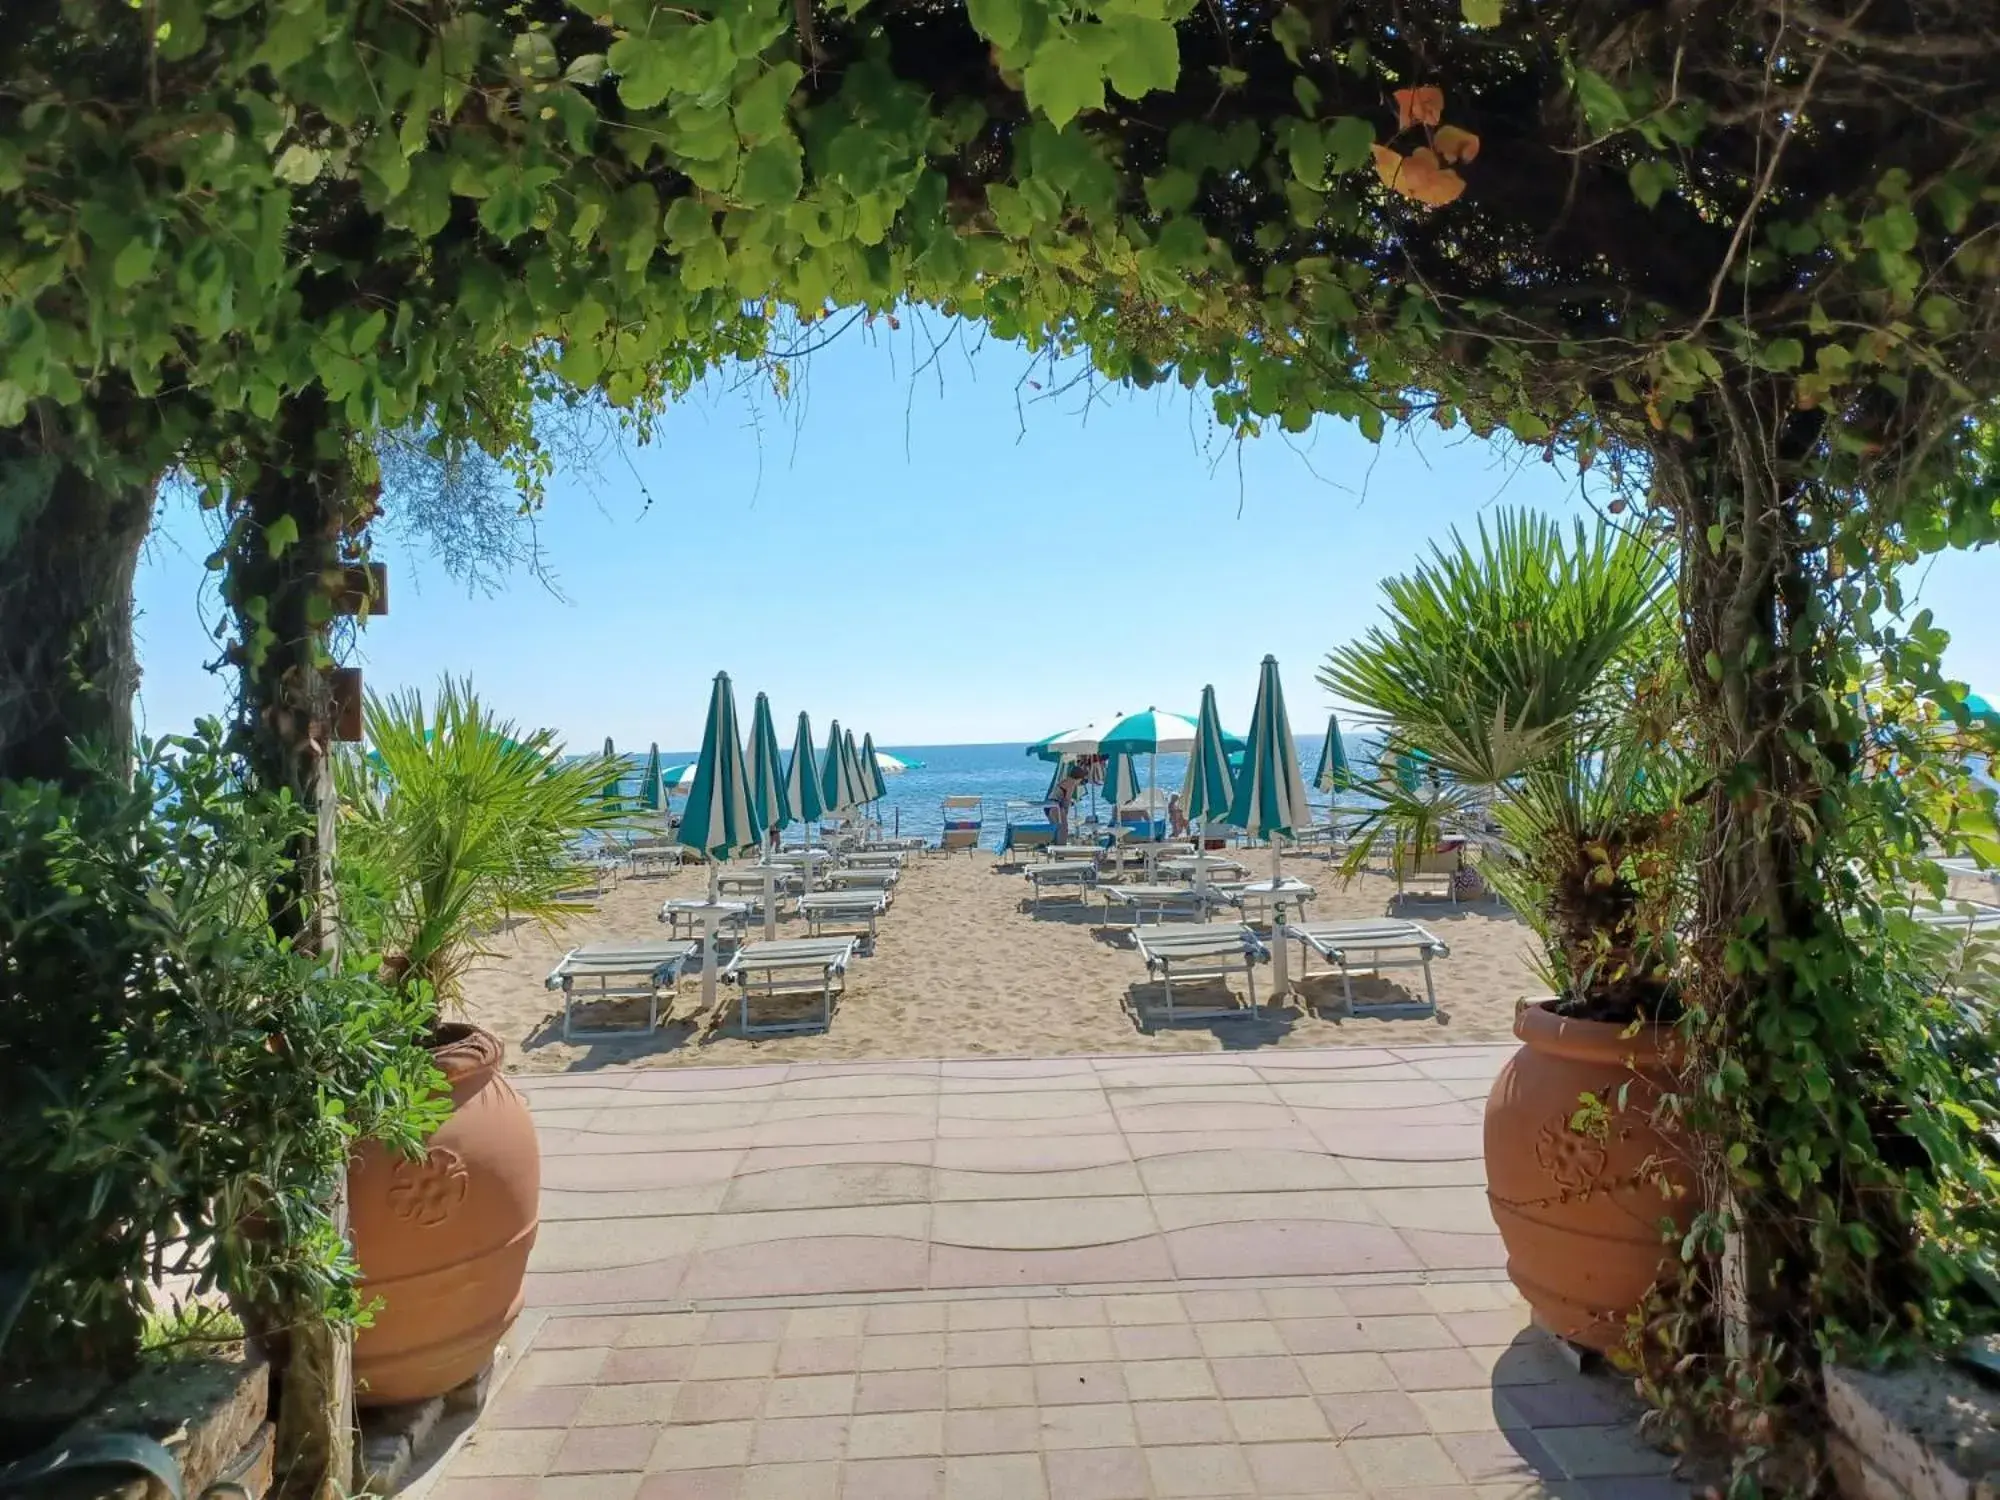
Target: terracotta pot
x=1581 y=1211
x=444 y=1241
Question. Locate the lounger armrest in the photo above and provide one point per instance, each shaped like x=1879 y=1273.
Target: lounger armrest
x=1254 y=949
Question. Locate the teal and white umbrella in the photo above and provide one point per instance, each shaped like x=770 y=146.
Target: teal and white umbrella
x=767 y=796
x=611 y=786
x=1064 y=743
x=871 y=768
x=1270 y=796
x=802 y=788
x=840 y=788
x=649 y=785
x=1333 y=774
x=864 y=788
x=720 y=820
x=1209 y=787
x=894 y=765
x=1121 y=781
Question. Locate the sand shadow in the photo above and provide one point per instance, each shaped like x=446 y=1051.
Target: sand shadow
x=1383 y=999
x=676 y=1032
x=1242 y=1029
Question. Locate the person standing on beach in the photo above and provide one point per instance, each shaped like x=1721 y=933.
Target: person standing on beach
x=1060 y=797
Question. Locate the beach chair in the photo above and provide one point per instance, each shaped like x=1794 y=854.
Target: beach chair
x=751 y=881
x=1218 y=866
x=1441 y=863
x=1080 y=873
x=731 y=917
x=852 y=908
x=1160 y=900
x=790 y=966
x=875 y=859
x=862 y=877
x=963 y=819
x=1971 y=872
x=1387 y=942
x=643 y=969
x=654 y=857
x=1258 y=899
x=1212 y=950
x=1976 y=920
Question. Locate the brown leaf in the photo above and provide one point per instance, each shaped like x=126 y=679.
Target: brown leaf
x=1426 y=181
x=1453 y=144
x=1388 y=164
x=1421 y=106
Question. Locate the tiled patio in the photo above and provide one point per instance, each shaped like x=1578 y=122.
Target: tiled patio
x=1087 y=1279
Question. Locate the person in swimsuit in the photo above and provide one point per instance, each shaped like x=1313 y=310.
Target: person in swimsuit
x=1057 y=807
x=1177 y=823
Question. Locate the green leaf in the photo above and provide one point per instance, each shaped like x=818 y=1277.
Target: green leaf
x=1347 y=141
x=13 y=404
x=999 y=21
x=535 y=54
x=586 y=70
x=763 y=110
x=1292 y=31
x=1064 y=80
x=1481 y=12
x=1603 y=106
x=280 y=535
x=771 y=175
x=645 y=70
x=134 y=263
x=299 y=164
x=1651 y=176
x=1307 y=93
x=1782 y=354
x=1147 y=55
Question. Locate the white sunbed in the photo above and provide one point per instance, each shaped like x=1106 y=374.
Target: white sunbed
x=1387 y=942
x=1259 y=897
x=855 y=877
x=662 y=857
x=1974 y=920
x=875 y=859
x=852 y=908
x=1210 y=950
x=1080 y=873
x=1160 y=901
x=1217 y=866
x=692 y=911
x=645 y=968
x=790 y=966
x=908 y=845
x=751 y=881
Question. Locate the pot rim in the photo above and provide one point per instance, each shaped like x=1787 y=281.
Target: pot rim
x=1652 y=1045
x=469 y=1056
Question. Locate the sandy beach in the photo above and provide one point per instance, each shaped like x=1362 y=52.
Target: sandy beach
x=962 y=969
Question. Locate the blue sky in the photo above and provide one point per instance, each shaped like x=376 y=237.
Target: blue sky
x=942 y=558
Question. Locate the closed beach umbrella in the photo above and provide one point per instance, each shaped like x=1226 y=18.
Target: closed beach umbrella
x=611 y=786
x=1410 y=768
x=719 y=820
x=767 y=795
x=1270 y=798
x=802 y=789
x=1121 y=781
x=832 y=774
x=649 y=787
x=871 y=767
x=864 y=785
x=1207 y=792
x=1333 y=774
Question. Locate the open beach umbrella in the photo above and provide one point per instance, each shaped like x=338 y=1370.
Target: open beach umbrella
x=802 y=789
x=767 y=797
x=1333 y=774
x=649 y=787
x=678 y=780
x=894 y=765
x=1270 y=798
x=1209 y=787
x=1064 y=743
x=719 y=820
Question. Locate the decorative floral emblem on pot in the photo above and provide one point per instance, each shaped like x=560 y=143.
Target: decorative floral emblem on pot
x=425 y=1193
x=1574 y=1161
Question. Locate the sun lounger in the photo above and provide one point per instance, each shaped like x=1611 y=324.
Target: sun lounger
x=875 y=859
x=853 y=908
x=1974 y=920
x=1387 y=943
x=894 y=846
x=790 y=966
x=691 y=911
x=1219 y=867
x=862 y=877
x=645 y=968
x=751 y=881
x=1080 y=873
x=963 y=817
x=1257 y=898
x=1210 y=951
x=1160 y=900
x=661 y=858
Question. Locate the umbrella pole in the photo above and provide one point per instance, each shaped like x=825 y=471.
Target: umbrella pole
x=708 y=941
x=1280 y=980
x=770 y=902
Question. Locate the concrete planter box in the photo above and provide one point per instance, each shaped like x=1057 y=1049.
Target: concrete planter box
x=1929 y=1431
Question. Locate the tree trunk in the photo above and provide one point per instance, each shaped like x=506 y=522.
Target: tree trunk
x=284 y=559
x=68 y=550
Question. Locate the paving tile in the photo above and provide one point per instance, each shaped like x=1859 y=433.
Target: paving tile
x=1198 y=1471
x=607 y=1486
x=1283 y=1419
x=1162 y=1423
x=819 y=1356
x=625 y=1405
x=1250 y=1090
x=1338 y=1335
x=1042 y=1224
x=1138 y=1260
x=1453 y=1210
x=1155 y=1341
x=969 y=1349
x=514 y=1487
x=1398 y=1299
x=540 y=1367
x=581 y=1333
x=1066 y=1312
x=995 y=1476
x=981 y=1313
x=808 y=1267
x=1517 y=1455
x=1285 y=1248
x=791 y=1440
x=1256 y=1376
x=718 y=1400
x=1106 y=1425
x=1323 y=1205
x=1112 y=1180
x=1049 y=1346
x=1200 y=1119
x=1053 y=1153
x=905 y=1317
x=869 y=1087
x=651 y=1329
x=1393 y=1463
x=1433 y=1369
x=892 y=1479
x=1498 y=1325
x=809 y=1396
x=1337 y=1374
x=535 y=1406
x=1374 y=1414
x=966 y=1071
x=511 y=1450
x=1455 y=1252
x=1304 y=1468
x=1373 y=1094
x=1575 y=1402
x=1448 y=1171
x=874 y=1221
x=650 y=1281
x=910 y=1153
x=733 y=1361
x=1526 y=1361
x=693 y=1484
x=593 y=1450
x=1096 y=1474
x=600 y=1244
x=1293 y=1138
x=1481 y=1409
x=660 y=1362
x=1221 y=1305
x=1169 y=1380
x=899 y=1434
x=1052 y=1103
x=558 y=1205
x=1470 y=1296
x=832 y=1322
x=835 y=1185
x=1306 y=1302
x=1000 y=1429
x=1235 y=1340
x=1103 y=1122
x=902 y=1351
x=899 y=1390
x=990 y=1386
x=1079 y=1385
x=1353 y=1135
x=799 y=1481
x=1601 y=1452
x=1138 y=1309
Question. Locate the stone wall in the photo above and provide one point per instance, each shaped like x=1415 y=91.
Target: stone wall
x=209 y=1410
x=1930 y=1431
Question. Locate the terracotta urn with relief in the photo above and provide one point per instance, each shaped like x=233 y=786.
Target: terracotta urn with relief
x=1583 y=1195
x=443 y=1241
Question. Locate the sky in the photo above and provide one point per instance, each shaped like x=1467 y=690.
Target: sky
x=963 y=549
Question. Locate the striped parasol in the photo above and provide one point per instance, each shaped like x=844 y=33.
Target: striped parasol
x=871 y=769
x=1334 y=774
x=857 y=778
x=649 y=785
x=802 y=788
x=611 y=786
x=1270 y=798
x=719 y=821
x=767 y=796
x=1207 y=791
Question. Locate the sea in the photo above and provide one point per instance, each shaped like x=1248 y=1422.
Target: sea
x=1002 y=774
